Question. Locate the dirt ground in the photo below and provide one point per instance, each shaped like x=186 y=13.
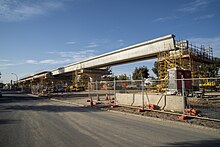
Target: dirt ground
x=196 y=121
x=209 y=105
x=205 y=102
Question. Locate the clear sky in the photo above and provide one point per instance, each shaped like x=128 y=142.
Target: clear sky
x=37 y=35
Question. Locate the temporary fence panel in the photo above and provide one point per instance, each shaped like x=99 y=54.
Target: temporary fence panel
x=152 y=94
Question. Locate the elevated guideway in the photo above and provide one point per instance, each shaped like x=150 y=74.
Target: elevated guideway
x=142 y=51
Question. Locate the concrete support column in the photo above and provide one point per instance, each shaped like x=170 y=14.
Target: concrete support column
x=95 y=77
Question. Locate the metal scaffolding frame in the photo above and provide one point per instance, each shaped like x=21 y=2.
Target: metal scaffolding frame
x=185 y=56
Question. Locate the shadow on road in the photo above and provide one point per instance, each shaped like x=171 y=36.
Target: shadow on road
x=51 y=108
x=17 y=101
x=11 y=98
x=201 y=143
x=8 y=121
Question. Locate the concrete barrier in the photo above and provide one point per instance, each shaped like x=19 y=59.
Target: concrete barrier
x=165 y=102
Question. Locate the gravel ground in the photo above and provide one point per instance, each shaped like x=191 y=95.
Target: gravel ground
x=208 y=106
x=173 y=117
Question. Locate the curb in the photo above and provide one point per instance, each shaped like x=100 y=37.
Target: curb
x=32 y=95
x=168 y=121
x=66 y=102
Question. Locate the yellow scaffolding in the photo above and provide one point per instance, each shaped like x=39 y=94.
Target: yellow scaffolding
x=184 y=56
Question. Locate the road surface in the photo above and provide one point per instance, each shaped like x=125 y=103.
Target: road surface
x=36 y=122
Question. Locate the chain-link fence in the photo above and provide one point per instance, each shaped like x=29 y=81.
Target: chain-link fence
x=202 y=94
x=171 y=94
x=108 y=90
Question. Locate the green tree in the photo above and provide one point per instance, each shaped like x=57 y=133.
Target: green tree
x=123 y=77
x=109 y=78
x=155 y=68
x=140 y=72
x=213 y=69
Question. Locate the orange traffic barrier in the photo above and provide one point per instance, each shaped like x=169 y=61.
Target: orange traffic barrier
x=141 y=110
x=182 y=117
x=151 y=106
x=191 y=112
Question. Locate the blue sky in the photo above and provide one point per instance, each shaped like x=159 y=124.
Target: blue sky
x=37 y=35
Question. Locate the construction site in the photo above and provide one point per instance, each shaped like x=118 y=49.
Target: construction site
x=109 y=73
x=175 y=59
x=187 y=79
x=190 y=61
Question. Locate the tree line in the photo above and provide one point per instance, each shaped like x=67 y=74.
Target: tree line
x=143 y=72
x=138 y=74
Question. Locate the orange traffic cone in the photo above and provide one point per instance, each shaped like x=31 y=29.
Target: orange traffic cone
x=182 y=117
x=106 y=98
x=91 y=103
x=98 y=99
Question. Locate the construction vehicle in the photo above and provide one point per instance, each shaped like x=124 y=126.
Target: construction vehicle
x=75 y=88
x=210 y=85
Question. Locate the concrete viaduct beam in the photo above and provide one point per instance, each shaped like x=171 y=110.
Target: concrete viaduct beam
x=137 y=52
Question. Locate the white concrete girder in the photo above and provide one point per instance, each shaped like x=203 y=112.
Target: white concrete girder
x=132 y=53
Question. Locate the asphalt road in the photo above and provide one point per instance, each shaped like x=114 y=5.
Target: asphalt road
x=28 y=121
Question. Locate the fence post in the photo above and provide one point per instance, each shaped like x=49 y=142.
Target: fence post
x=183 y=94
x=89 y=91
x=115 y=90
x=142 y=92
x=96 y=85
